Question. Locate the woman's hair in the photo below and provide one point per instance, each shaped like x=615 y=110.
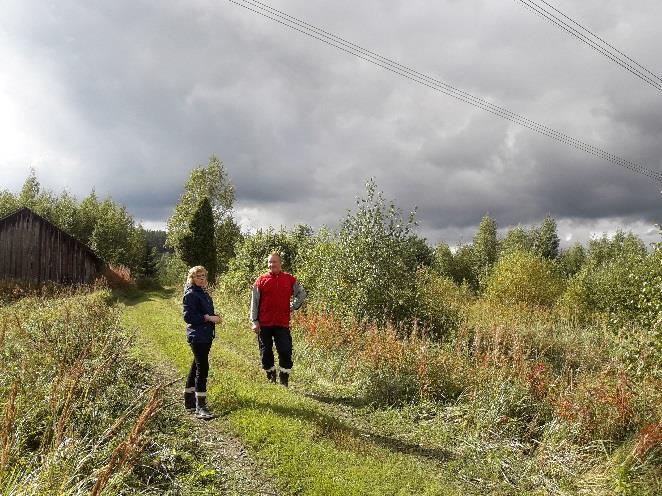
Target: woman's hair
x=193 y=271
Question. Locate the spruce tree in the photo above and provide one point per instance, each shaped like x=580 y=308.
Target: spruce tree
x=209 y=181
x=198 y=247
x=546 y=241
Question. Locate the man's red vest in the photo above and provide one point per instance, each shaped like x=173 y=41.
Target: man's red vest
x=275 y=293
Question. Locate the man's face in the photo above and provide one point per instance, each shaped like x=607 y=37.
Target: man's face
x=274 y=264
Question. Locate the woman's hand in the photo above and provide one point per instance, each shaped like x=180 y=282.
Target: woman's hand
x=216 y=319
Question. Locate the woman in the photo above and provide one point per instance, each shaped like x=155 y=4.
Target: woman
x=201 y=319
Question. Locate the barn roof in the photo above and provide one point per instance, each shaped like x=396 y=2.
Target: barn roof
x=65 y=234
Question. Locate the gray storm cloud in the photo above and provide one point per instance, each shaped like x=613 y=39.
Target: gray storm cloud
x=127 y=97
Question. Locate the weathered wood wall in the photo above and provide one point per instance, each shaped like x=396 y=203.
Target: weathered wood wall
x=35 y=251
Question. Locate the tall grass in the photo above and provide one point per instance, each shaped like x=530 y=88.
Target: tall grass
x=80 y=413
x=520 y=377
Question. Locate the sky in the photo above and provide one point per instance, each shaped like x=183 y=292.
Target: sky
x=128 y=97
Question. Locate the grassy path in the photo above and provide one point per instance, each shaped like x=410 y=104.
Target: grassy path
x=309 y=442
x=229 y=468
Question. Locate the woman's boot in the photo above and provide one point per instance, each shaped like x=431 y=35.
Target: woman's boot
x=189 y=399
x=201 y=410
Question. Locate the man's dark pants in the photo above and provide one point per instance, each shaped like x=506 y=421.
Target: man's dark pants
x=281 y=337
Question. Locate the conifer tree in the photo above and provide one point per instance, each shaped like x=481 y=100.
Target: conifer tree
x=212 y=182
x=545 y=239
x=198 y=247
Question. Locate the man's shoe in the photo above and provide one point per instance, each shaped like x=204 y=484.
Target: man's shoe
x=284 y=378
x=271 y=376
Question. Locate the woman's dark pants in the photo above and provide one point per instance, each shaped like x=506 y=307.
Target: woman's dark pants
x=197 y=376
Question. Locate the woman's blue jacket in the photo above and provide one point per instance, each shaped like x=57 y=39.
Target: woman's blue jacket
x=196 y=304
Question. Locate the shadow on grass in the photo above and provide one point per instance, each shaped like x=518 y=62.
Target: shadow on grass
x=334 y=429
x=351 y=401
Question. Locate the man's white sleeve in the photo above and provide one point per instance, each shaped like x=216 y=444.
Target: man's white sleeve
x=299 y=296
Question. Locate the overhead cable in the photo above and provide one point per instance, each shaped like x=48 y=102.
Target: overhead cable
x=303 y=27
x=594 y=41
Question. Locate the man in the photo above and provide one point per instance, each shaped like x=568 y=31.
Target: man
x=275 y=294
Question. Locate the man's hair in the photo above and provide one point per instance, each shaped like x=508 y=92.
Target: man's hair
x=275 y=254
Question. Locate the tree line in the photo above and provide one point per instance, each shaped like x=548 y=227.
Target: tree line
x=103 y=225
x=374 y=266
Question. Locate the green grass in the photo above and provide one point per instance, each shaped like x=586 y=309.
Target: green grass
x=324 y=436
x=308 y=447
x=72 y=388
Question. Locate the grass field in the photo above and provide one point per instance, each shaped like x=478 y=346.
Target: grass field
x=310 y=445
x=87 y=409
x=322 y=436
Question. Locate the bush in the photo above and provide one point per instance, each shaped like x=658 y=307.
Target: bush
x=522 y=277
x=171 y=270
x=367 y=270
x=621 y=245
x=440 y=304
x=571 y=260
x=252 y=253
x=628 y=288
x=59 y=370
x=79 y=410
x=118 y=276
x=599 y=407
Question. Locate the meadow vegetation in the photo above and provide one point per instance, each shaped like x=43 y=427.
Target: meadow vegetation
x=551 y=357
x=81 y=414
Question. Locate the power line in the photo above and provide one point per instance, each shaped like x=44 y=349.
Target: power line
x=603 y=41
x=303 y=27
x=595 y=42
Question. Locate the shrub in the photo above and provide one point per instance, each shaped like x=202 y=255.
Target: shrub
x=440 y=303
x=252 y=252
x=649 y=299
x=118 y=276
x=621 y=245
x=522 y=277
x=628 y=288
x=171 y=270
x=63 y=354
x=78 y=411
x=442 y=374
x=599 y=407
x=367 y=270
x=571 y=260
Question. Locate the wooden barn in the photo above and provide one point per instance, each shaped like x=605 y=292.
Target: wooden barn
x=34 y=251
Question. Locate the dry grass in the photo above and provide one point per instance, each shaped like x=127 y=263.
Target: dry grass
x=649 y=440
x=517 y=377
x=9 y=416
x=118 y=277
x=126 y=452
